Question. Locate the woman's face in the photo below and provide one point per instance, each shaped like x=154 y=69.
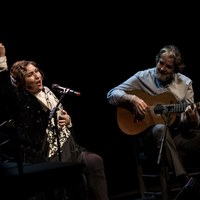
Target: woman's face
x=165 y=68
x=33 y=79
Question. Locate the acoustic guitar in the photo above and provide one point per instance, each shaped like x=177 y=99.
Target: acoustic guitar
x=162 y=109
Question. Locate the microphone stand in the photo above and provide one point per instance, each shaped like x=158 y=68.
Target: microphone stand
x=164 y=171
x=53 y=114
x=161 y=145
x=163 y=136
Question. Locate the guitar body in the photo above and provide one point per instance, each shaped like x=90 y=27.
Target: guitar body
x=130 y=125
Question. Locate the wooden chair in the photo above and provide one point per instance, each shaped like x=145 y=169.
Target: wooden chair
x=157 y=181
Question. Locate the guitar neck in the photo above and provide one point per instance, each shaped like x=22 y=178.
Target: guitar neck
x=170 y=108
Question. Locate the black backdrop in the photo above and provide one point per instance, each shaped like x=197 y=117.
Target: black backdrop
x=91 y=48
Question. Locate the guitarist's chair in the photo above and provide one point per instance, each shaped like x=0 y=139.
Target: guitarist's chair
x=149 y=176
x=156 y=181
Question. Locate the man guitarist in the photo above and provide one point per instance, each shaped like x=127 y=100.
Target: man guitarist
x=174 y=122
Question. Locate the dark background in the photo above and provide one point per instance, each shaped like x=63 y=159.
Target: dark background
x=92 y=47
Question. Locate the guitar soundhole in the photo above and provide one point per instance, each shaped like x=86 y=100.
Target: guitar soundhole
x=139 y=117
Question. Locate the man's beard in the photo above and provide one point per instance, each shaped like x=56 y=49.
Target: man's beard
x=163 y=77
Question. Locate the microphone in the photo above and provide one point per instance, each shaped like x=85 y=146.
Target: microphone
x=60 y=89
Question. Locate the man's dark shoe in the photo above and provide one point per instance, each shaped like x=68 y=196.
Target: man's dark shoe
x=191 y=190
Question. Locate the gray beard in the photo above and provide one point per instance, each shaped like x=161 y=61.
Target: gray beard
x=163 y=77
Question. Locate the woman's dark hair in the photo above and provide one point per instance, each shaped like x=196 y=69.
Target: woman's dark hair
x=18 y=71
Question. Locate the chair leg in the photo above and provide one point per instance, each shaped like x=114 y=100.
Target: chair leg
x=163 y=176
x=142 y=187
x=164 y=183
x=141 y=181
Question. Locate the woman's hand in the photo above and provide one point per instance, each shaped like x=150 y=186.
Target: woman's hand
x=2 y=50
x=64 y=119
x=3 y=60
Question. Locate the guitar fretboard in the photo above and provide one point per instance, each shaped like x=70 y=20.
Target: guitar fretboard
x=171 y=108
